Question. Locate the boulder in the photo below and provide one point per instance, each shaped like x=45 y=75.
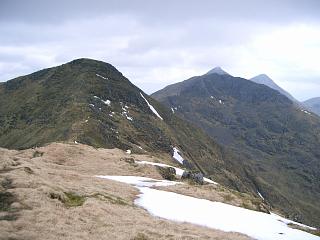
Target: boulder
x=194 y=177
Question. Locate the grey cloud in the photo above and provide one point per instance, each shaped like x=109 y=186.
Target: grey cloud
x=159 y=11
x=153 y=42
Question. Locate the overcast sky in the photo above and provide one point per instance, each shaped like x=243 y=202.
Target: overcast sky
x=156 y=43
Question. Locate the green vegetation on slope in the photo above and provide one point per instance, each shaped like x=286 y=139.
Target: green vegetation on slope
x=275 y=145
x=91 y=102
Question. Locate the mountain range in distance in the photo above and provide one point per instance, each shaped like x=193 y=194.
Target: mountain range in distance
x=310 y=104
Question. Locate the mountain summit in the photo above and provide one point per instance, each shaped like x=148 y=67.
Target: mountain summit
x=91 y=102
x=276 y=144
x=266 y=80
x=218 y=70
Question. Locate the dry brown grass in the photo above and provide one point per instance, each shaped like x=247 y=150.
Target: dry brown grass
x=42 y=182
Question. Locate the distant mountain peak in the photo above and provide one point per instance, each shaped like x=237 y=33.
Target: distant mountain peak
x=313 y=105
x=218 y=70
x=262 y=78
x=263 y=75
x=266 y=80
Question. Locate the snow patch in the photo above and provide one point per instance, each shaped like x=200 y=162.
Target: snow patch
x=140 y=181
x=209 y=181
x=151 y=107
x=215 y=215
x=305 y=111
x=177 y=156
x=125 y=113
x=180 y=208
x=98 y=75
x=260 y=195
x=106 y=102
x=179 y=171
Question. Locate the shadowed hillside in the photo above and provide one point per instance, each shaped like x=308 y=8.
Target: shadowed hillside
x=276 y=144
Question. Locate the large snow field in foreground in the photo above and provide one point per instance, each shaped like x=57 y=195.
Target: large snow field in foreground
x=216 y=215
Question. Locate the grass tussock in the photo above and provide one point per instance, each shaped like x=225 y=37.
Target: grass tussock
x=37 y=154
x=228 y=197
x=140 y=236
x=109 y=198
x=73 y=199
x=6 y=199
x=69 y=199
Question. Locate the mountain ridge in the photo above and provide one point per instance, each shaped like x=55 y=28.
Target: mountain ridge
x=264 y=128
x=313 y=104
x=91 y=102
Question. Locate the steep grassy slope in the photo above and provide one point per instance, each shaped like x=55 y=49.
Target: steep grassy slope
x=276 y=144
x=91 y=102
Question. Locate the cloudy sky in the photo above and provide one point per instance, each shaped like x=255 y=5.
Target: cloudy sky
x=156 y=43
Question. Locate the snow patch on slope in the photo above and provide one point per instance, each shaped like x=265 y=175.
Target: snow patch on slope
x=216 y=215
x=260 y=195
x=106 y=102
x=151 y=107
x=305 y=111
x=177 y=156
x=179 y=171
x=140 y=181
x=125 y=112
x=98 y=75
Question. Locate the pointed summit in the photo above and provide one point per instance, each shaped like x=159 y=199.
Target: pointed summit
x=218 y=70
x=266 y=80
x=263 y=79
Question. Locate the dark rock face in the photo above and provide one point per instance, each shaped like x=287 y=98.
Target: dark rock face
x=195 y=177
x=269 y=143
